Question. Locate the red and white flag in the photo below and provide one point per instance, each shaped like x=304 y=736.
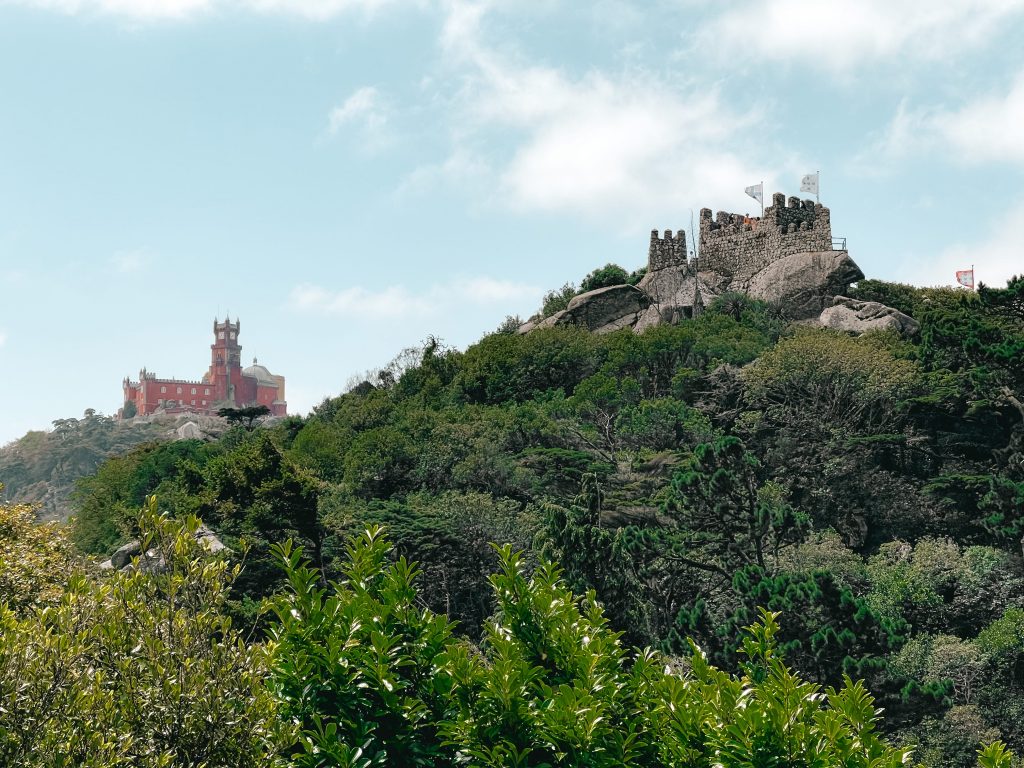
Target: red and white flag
x=965 y=277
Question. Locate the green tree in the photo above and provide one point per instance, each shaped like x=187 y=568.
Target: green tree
x=256 y=494
x=106 y=503
x=827 y=631
x=36 y=560
x=726 y=514
x=604 y=277
x=141 y=668
x=555 y=301
x=247 y=417
x=845 y=382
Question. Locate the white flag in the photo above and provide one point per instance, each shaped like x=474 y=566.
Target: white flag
x=756 y=192
x=809 y=183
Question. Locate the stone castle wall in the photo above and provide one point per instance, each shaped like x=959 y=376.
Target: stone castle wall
x=668 y=251
x=784 y=257
x=740 y=246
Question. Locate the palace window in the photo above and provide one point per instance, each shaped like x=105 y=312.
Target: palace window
x=193 y=392
x=206 y=392
x=179 y=390
x=163 y=390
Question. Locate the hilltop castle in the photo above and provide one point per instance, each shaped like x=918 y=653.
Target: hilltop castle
x=226 y=384
x=787 y=256
x=738 y=247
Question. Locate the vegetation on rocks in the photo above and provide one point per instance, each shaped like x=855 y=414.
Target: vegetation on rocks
x=42 y=467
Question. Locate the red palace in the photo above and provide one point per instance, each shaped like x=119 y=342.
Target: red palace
x=226 y=384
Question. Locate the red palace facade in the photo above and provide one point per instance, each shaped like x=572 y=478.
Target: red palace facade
x=226 y=384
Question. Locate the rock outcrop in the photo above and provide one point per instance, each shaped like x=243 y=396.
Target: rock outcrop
x=785 y=257
x=152 y=559
x=804 y=283
x=602 y=310
x=674 y=294
x=854 y=316
x=189 y=431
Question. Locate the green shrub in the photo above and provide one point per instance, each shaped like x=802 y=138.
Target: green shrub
x=138 y=669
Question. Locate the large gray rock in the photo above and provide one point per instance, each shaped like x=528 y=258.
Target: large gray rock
x=209 y=540
x=649 y=318
x=603 y=310
x=664 y=285
x=526 y=327
x=859 y=317
x=153 y=559
x=551 y=320
x=672 y=292
x=804 y=283
x=123 y=555
x=189 y=431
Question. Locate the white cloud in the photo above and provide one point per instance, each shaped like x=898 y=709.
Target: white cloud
x=910 y=131
x=464 y=167
x=399 y=302
x=154 y=10
x=996 y=258
x=367 y=110
x=988 y=129
x=846 y=34
x=488 y=290
x=985 y=130
x=631 y=144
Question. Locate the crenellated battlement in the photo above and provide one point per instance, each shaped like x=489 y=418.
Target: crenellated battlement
x=227 y=325
x=667 y=251
x=739 y=246
x=153 y=377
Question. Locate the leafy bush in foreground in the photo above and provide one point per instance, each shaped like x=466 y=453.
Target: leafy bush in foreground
x=142 y=668
x=373 y=679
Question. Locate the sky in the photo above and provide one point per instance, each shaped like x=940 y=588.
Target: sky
x=351 y=177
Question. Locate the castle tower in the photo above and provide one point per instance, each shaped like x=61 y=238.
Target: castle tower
x=666 y=252
x=225 y=359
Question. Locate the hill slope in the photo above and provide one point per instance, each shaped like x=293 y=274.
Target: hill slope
x=871 y=489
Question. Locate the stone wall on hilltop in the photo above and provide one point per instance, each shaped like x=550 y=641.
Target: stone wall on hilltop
x=785 y=257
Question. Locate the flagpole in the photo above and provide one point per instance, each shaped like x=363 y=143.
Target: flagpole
x=762 y=198
x=817 y=187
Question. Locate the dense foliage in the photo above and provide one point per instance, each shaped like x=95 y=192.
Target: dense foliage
x=141 y=667
x=870 y=490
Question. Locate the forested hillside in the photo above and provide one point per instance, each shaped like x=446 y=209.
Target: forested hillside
x=43 y=467
x=868 y=489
